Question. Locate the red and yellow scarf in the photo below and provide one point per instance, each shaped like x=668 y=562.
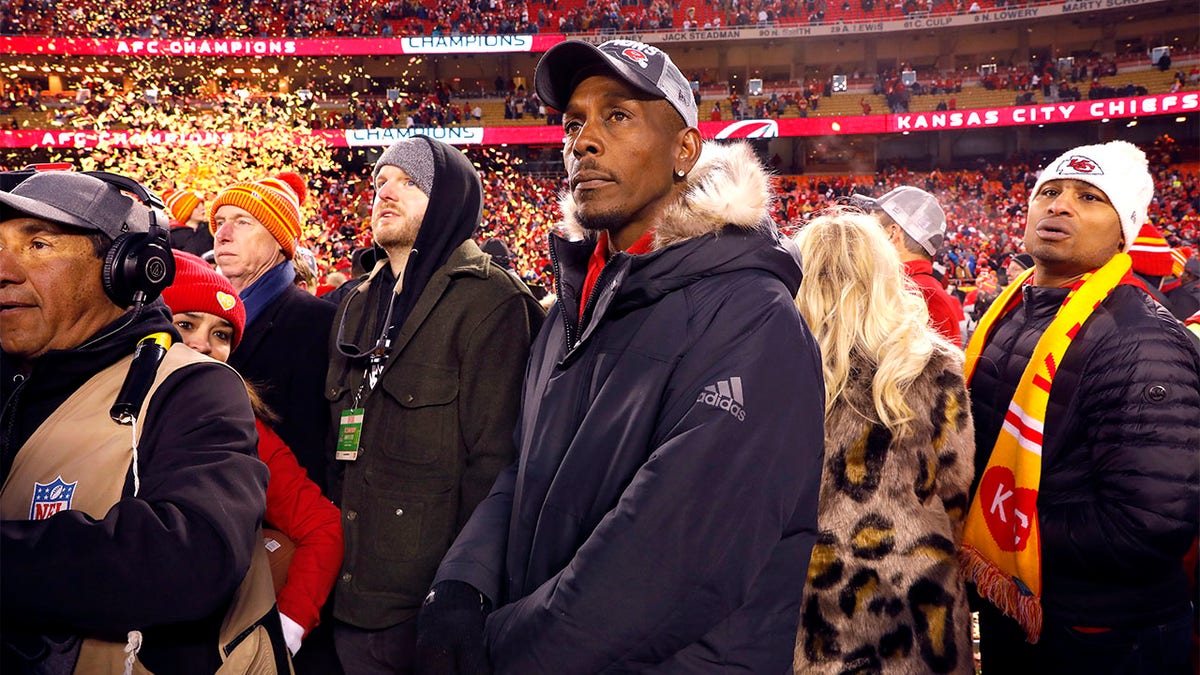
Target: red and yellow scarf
x=1002 y=552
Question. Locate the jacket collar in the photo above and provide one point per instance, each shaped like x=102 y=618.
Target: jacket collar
x=466 y=260
x=728 y=186
x=257 y=336
x=912 y=267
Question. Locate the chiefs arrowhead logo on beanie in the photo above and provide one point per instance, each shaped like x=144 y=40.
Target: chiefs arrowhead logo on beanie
x=275 y=202
x=1079 y=164
x=1119 y=169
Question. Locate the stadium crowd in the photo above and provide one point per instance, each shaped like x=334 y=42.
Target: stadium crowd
x=387 y=18
x=657 y=409
x=438 y=103
x=985 y=210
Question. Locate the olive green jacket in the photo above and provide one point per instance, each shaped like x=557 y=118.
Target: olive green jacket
x=437 y=427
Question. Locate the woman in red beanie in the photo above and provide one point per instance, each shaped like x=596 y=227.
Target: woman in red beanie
x=210 y=318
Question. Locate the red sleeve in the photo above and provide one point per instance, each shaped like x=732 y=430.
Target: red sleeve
x=944 y=310
x=296 y=507
x=943 y=316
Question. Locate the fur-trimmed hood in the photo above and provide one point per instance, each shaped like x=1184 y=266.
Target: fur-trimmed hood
x=721 y=224
x=727 y=186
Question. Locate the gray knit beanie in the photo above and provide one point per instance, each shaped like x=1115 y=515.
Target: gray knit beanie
x=415 y=157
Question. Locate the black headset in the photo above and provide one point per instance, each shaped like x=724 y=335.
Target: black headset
x=138 y=265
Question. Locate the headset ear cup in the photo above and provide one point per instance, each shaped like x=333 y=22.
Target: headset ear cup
x=113 y=274
x=137 y=263
x=155 y=268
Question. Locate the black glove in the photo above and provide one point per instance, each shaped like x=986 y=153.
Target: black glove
x=450 y=631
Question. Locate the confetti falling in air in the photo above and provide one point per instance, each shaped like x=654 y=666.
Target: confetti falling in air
x=256 y=139
x=242 y=119
x=218 y=135
x=227 y=18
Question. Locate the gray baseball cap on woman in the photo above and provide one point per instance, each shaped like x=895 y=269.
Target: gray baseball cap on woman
x=643 y=67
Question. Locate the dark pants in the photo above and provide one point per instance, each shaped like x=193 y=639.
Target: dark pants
x=318 y=656
x=1153 y=650
x=388 y=651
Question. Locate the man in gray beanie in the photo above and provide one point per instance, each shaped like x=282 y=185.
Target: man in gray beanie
x=425 y=372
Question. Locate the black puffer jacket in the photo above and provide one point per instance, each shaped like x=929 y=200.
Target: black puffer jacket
x=1120 y=491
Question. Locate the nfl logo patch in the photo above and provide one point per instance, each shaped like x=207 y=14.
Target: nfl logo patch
x=50 y=498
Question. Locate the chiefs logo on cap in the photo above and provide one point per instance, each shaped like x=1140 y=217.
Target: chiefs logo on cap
x=1078 y=164
x=637 y=56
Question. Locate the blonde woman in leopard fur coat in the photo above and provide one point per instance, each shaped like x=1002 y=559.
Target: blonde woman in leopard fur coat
x=883 y=593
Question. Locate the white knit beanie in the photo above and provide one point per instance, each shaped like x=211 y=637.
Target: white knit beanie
x=1119 y=169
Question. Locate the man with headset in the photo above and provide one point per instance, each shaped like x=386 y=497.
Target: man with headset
x=131 y=490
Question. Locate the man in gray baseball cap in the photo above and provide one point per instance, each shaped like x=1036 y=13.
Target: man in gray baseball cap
x=173 y=508
x=916 y=226
x=74 y=218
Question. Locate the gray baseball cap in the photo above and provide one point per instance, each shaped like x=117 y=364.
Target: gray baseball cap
x=642 y=66
x=916 y=212
x=77 y=200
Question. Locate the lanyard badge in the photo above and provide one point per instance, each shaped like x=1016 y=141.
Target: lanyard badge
x=349 y=434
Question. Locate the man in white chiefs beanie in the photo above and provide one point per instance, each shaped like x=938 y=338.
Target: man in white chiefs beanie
x=1085 y=394
x=1119 y=170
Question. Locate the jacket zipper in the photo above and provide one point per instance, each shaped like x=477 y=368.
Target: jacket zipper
x=572 y=340
x=596 y=291
x=568 y=325
x=12 y=419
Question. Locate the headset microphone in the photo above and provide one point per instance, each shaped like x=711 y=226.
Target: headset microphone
x=142 y=371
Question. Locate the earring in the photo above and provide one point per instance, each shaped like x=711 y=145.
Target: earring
x=680 y=174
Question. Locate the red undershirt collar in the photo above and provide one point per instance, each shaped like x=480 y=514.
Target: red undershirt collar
x=599 y=259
